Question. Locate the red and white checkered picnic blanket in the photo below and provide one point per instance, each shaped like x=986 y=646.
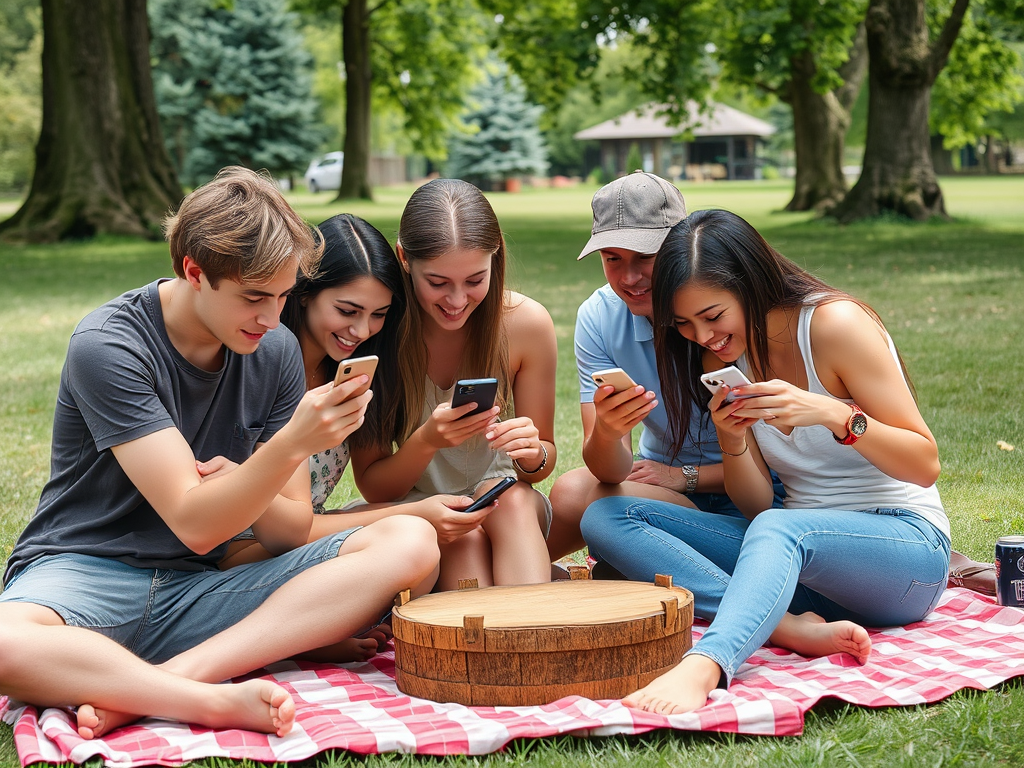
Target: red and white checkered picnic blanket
x=968 y=642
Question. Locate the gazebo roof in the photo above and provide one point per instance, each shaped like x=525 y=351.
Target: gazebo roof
x=644 y=123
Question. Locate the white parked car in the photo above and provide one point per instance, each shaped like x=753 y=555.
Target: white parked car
x=325 y=172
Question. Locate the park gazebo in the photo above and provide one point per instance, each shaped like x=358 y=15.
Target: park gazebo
x=719 y=144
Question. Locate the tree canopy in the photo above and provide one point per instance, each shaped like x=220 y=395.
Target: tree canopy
x=233 y=87
x=505 y=138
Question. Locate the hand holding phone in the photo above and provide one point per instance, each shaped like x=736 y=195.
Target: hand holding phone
x=356 y=366
x=613 y=377
x=488 y=498
x=730 y=376
x=479 y=391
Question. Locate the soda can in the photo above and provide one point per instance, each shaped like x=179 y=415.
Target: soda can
x=1010 y=571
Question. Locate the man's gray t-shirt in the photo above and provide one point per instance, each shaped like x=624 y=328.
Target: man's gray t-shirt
x=122 y=380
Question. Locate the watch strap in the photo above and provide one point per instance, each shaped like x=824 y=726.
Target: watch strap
x=853 y=434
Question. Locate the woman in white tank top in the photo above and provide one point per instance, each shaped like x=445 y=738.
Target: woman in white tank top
x=863 y=538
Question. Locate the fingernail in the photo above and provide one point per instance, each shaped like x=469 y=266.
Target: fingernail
x=489 y=435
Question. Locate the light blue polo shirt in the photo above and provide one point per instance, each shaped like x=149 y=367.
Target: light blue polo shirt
x=608 y=335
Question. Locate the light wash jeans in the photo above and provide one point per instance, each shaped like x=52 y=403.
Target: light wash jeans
x=877 y=567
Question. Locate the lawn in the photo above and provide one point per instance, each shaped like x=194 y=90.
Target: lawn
x=950 y=293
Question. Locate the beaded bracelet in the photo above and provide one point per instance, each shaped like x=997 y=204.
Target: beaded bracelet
x=543 y=463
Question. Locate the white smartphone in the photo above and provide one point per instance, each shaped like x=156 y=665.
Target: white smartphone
x=356 y=366
x=730 y=376
x=613 y=377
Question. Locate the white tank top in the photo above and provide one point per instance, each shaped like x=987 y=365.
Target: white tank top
x=820 y=473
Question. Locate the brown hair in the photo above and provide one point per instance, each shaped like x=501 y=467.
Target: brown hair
x=239 y=226
x=442 y=216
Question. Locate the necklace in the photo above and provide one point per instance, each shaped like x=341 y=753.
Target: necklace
x=318 y=377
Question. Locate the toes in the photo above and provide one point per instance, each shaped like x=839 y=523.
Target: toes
x=88 y=722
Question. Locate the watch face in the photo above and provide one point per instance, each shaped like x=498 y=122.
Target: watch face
x=858 y=424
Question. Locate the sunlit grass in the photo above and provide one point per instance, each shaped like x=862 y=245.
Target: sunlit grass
x=950 y=293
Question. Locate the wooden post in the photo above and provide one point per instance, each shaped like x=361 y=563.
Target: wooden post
x=468 y=584
x=671 y=607
x=403 y=597
x=662 y=580
x=474 y=628
x=578 y=572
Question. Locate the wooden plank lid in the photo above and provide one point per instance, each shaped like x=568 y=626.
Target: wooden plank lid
x=536 y=617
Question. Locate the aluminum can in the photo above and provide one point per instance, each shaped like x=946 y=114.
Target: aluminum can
x=1010 y=571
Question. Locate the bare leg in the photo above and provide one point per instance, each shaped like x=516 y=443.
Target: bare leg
x=576 y=490
x=50 y=664
x=468 y=557
x=294 y=620
x=519 y=553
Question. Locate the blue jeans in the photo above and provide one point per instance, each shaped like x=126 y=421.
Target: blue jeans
x=879 y=567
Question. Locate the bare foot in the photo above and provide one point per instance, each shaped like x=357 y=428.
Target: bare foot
x=94 y=722
x=683 y=688
x=255 y=705
x=810 y=635
x=352 y=649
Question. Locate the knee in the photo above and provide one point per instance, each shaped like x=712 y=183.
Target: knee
x=570 y=492
x=773 y=523
x=409 y=540
x=599 y=518
x=17 y=653
x=9 y=649
x=519 y=505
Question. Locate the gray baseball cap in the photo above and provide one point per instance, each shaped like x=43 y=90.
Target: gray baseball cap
x=634 y=212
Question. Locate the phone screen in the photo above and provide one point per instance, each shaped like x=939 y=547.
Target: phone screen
x=488 y=498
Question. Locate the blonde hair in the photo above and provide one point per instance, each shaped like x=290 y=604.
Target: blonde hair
x=442 y=216
x=239 y=226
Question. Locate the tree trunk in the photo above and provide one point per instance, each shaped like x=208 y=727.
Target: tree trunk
x=942 y=158
x=820 y=122
x=898 y=174
x=101 y=164
x=993 y=154
x=355 y=49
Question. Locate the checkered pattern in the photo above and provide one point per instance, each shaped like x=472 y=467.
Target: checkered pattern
x=968 y=642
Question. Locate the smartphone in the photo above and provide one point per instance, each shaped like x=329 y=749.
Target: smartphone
x=356 y=366
x=730 y=376
x=613 y=377
x=479 y=391
x=488 y=498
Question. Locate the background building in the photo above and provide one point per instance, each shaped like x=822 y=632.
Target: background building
x=722 y=144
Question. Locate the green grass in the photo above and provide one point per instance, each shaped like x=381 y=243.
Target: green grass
x=950 y=293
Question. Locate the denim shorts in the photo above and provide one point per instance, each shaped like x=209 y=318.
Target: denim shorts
x=158 y=613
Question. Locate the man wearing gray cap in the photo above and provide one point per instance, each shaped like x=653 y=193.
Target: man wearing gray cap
x=632 y=217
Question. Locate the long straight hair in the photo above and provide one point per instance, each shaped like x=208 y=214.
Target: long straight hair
x=719 y=250
x=353 y=249
x=442 y=216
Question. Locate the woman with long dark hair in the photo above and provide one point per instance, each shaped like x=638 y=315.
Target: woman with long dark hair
x=862 y=539
x=354 y=306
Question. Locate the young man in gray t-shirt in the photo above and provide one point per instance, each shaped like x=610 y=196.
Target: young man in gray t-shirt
x=113 y=601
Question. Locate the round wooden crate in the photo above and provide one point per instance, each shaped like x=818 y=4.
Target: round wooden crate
x=533 y=644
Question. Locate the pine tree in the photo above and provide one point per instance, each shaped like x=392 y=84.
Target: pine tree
x=507 y=141
x=233 y=87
